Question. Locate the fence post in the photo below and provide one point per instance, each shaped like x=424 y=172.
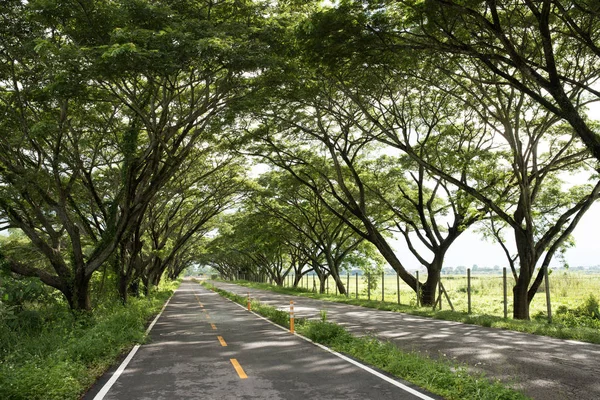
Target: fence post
x=418 y=290
x=548 y=304
x=314 y=286
x=369 y=286
x=383 y=286
x=248 y=303
x=469 y=290
x=327 y=284
x=504 y=292
x=348 y=285
x=356 y=274
x=398 y=286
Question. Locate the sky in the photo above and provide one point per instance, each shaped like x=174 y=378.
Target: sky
x=470 y=249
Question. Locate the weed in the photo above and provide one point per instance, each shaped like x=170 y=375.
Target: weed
x=323 y=315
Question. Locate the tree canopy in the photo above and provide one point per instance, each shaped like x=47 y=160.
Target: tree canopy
x=129 y=130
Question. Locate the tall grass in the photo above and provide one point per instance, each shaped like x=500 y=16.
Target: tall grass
x=52 y=353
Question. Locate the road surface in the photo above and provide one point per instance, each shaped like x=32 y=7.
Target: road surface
x=544 y=368
x=206 y=347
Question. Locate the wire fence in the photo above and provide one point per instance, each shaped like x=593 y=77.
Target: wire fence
x=477 y=294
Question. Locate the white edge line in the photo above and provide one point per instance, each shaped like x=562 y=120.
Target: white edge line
x=347 y=359
x=159 y=314
x=126 y=361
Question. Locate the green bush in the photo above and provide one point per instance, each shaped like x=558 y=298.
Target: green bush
x=324 y=332
x=590 y=307
x=18 y=292
x=52 y=353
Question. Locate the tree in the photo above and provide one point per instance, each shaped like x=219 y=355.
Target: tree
x=429 y=212
x=545 y=209
x=254 y=245
x=179 y=216
x=101 y=103
x=332 y=240
x=484 y=107
x=545 y=49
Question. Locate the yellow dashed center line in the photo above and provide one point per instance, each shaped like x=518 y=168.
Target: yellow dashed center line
x=238 y=368
x=222 y=341
x=213 y=326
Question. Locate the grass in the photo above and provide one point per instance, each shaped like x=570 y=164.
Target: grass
x=50 y=353
x=565 y=325
x=442 y=377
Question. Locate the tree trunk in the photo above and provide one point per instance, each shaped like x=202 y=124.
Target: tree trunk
x=527 y=261
x=80 y=298
x=122 y=287
x=134 y=288
x=389 y=255
x=429 y=288
x=520 y=299
x=339 y=283
x=146 y=278
x=322 y=282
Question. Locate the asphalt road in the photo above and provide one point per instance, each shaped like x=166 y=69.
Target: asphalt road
x=544 y=368
x=206 y=347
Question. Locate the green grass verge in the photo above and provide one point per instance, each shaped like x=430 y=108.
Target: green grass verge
x=52 y=354
x=563 y=326
x=442 y=377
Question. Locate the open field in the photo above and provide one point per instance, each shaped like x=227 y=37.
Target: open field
x=566 y=289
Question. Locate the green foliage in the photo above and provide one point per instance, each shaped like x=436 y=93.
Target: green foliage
x=591 y=307
x=323 y=314
x=585 y=316
x=323 y=332
x=17 y=291
x=51 y=353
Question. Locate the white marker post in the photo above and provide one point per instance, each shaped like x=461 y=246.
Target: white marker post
x=291 y=316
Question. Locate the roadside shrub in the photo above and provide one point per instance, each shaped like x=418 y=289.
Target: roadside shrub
x=590 y=307
x=586 y=315
x=18 y=292
x=325 y=332
x=278 y=316
x=52 y=353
